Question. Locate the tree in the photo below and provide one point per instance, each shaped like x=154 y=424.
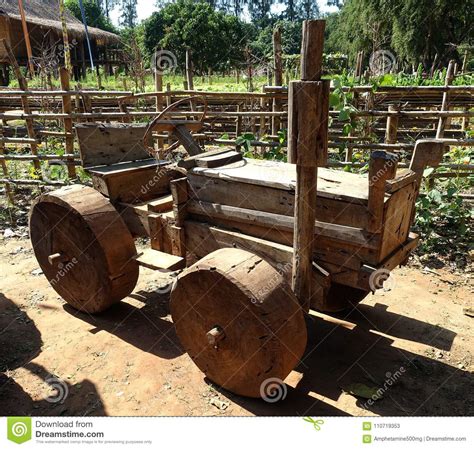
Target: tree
x=309 y=9
x=216 y=40
x=94 y=15
x=414 y=30
x=129 y=15
x=107 y=6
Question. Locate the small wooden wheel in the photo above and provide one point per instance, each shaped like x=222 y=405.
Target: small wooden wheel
x=238 y=320
x=83 y=247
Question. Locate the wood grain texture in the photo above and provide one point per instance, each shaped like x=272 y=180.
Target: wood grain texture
x=242 y=294
x=98 y=252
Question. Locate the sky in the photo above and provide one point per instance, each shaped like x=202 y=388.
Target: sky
x=146 y=8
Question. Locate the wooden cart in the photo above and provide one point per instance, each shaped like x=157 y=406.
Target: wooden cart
x=239 y=309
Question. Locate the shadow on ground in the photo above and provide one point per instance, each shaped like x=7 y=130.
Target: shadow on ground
x=20 y=344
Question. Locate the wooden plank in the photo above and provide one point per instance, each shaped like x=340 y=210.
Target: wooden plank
x=163 y=204
x=336 y=184
x=136 y=186
x=281 y=222
x=120 y=168
x=278 y=201
x=110 y=143
x=181 y=132
x=218 y=160
x=158 y=260
x=191 y=161
x=397 y=219
x=383 y=167
x=404 y=178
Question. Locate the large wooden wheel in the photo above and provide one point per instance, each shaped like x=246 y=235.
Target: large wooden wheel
x=83 y=247
x=239 y=321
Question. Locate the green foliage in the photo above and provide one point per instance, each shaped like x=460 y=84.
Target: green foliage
x=94 y=14
x=216 y=40
x=444 y=219
x=414 y=30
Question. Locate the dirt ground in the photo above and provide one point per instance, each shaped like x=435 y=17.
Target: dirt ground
x=128 y=361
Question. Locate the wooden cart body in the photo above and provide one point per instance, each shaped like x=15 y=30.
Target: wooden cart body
x=249 y=204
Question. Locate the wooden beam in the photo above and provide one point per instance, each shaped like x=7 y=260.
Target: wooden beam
x=307 y=147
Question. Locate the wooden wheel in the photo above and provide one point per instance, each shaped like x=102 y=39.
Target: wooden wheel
x=83 y=247
x=341 y=297
x=238 y=320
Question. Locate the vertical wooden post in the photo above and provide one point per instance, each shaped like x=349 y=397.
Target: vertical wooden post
x=159 y=102
x=443 y=121
x=382 y=167
x=64 y=76
x=464 y=63
x=67 y=50
x=22 y=82
x=277 y=60
x=189 y=70
x=277 y=57
x=392 y=126
x=307 y=147
x=26 y=34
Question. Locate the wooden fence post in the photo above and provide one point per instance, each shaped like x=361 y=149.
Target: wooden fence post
x=189 y=70
x=443 y=121
x=307 y=147
x=65 y=78
x=277 y=60
x=392 y=126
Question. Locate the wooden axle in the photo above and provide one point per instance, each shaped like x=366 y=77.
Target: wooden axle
x=215 y=335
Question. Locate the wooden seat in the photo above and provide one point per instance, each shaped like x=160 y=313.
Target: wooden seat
x=121 y=169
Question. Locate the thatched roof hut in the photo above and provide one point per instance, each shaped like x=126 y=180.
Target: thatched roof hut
x=45 y=28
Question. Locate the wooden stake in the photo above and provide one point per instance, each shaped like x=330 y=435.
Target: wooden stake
x=67 y=51
x=392 y=126
x=307 y=147
x=443 y=121
x=26 y=34
x=277 y=57
x=189 y=70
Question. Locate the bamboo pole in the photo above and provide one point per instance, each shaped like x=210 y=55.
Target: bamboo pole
x=26 y=35
x=67 y=50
